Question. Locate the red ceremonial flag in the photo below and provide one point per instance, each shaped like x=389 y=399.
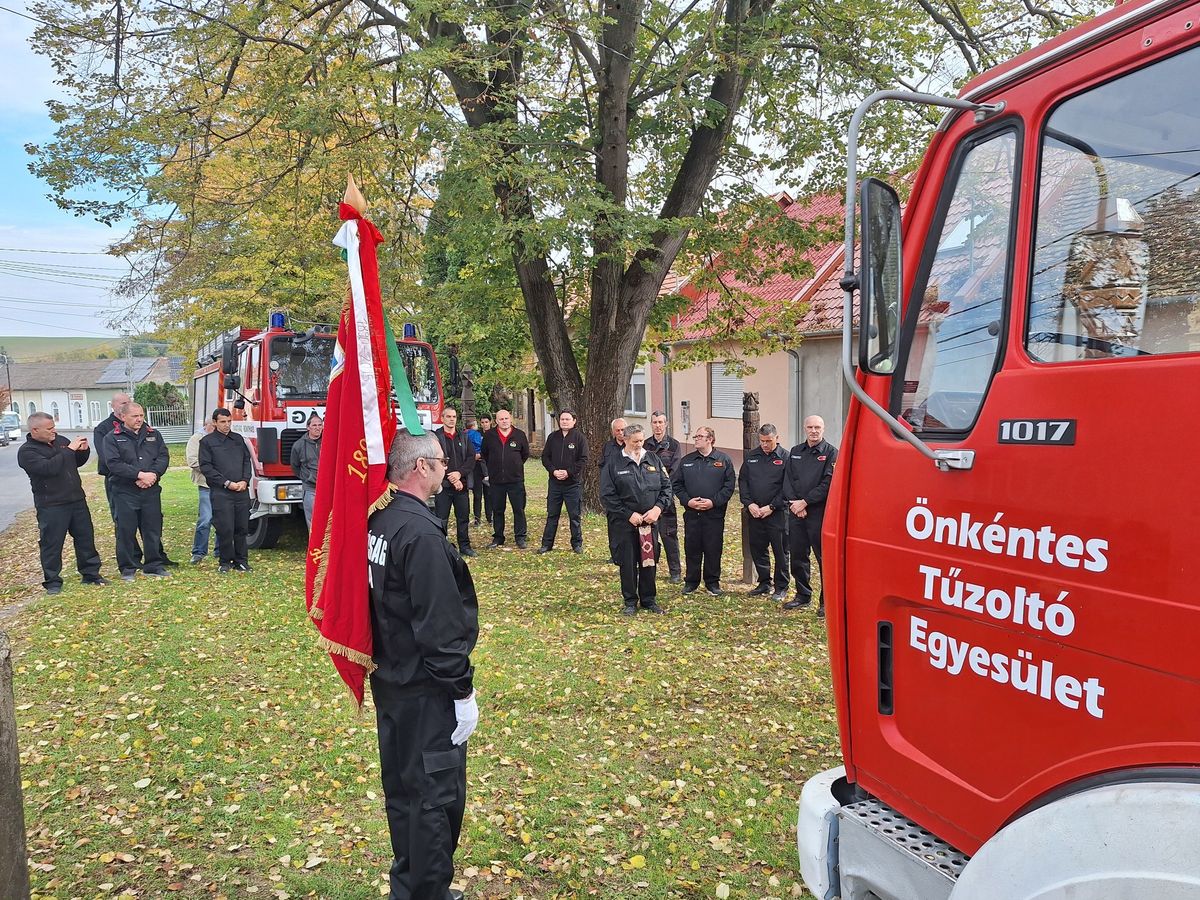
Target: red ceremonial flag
x=352 y=471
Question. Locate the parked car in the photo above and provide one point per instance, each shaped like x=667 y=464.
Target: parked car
x=10 y=428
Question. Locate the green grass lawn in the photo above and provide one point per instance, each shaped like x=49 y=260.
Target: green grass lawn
x=188 y=739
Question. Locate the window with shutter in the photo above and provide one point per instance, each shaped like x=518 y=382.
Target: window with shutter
x=724 y=393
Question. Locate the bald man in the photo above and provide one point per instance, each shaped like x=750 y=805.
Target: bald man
x=805 y=487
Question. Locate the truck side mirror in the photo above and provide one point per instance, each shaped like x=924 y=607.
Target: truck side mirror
x=229 y=357
x=880 y=280
x=233 y=382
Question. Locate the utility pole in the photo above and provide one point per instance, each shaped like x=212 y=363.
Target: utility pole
x=8 y=375
x=128 y=364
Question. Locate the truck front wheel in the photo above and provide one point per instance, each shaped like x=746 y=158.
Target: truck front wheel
x=264 y=532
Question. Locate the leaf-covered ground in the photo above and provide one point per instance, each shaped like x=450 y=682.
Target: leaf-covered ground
x=187 y=739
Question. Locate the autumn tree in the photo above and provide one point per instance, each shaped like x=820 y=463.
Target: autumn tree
x=610 y=136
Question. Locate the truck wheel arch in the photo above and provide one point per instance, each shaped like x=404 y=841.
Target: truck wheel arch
x=1123 y=839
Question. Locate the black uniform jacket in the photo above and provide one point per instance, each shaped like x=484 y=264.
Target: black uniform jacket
x=706 y=477
x=224 y=457
x=53 y=471
x=424 y=613
x=809 y=471
x=611 y=450
x=505 y=456
x=569 y=451
x=128 y=452
x=668 y=450
x=627 y=487
x=460 y=455
x=99 y=435
x=762 y=476
x=305 y=455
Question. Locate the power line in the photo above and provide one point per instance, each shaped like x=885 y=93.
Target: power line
x=58 y=252
x=61 y=328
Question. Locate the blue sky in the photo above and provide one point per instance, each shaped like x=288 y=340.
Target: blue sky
x=64 y=292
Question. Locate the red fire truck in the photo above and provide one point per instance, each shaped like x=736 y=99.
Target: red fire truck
x=272 y=381
x=1011 y=581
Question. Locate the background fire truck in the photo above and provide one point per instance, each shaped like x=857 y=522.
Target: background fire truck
x=272 y=381
x=1012 y=543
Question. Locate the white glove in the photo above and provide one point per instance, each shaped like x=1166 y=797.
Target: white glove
x=467 y=713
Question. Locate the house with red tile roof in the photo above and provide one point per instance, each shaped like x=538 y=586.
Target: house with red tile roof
x=803 y=378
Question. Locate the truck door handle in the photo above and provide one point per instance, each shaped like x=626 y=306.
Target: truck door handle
x=954 y=459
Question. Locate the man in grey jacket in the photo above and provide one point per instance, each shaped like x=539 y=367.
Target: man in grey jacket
x=305 y=454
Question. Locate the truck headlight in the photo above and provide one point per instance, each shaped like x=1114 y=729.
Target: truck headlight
x=289 y=492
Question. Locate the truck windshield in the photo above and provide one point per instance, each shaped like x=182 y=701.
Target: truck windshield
x=300 y=368
x=9 y=420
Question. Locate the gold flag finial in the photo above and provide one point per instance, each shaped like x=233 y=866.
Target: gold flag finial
x=354 y=197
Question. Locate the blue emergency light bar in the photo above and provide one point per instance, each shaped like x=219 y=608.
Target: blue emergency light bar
x=410 y=331
x=278 y=320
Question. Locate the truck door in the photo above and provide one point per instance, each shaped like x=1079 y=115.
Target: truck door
x=1027 y=623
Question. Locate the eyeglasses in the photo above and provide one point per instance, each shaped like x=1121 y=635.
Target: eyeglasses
x=433 y=459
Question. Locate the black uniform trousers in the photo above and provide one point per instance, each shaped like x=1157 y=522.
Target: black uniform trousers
x=139 y=510
x=424 y=787
x=112 y=508
x=558 y=494
x=703 y=538
x=482 y=495
x=769 y=537
x=54 y=523
x=231 y=518
x=461 y=502
x=668 y=532
x=804 y=535
x=514 y=493
x=637 y=581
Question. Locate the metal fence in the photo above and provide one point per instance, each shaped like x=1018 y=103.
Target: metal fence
x=175 y=424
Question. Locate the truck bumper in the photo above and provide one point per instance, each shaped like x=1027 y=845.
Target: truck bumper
x=817 y=834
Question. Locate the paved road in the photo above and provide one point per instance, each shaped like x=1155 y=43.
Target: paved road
x=15 y=495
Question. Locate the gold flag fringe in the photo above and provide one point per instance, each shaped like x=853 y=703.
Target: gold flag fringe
x=355 y=656
x=384 y=499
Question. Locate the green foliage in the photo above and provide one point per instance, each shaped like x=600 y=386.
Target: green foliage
x=150 y=395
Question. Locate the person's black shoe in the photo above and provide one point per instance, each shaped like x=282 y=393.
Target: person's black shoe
x=578 y=549
x=760 y=590
x=456 y=894
x=54 y=590
x=676 y=578
x=242 y=567
x=542 y=550
x=156 y=573
x=494 y=544
x=128 y=576
x=796 y=604
x=521 y=545
x=779 y=595
x=466 y=551
x=224 y=570
x=653 y=607
x=196 y=558
x=821 y=611
x=629 y=610
x=169 y=562
x=98 y=580
x=691 y=588
x=716 y=592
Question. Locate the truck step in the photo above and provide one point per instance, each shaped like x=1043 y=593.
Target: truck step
x=905 y=835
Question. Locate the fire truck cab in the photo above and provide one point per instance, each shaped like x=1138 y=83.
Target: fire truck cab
x=272 y=381
x=1012 y=539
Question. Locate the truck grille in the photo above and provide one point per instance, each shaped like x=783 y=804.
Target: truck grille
x=287 y=438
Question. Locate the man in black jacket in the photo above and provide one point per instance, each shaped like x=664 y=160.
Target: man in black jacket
x=760 y=486
x=460 y=462
x=52 y=464
x=612 y=450
x=116 y=406
x=704 y=483
x=809 y=472
x=226 y=465
x=505 y=449
x=564 y=457
x=137 y=457
x=668 y=450
x=425 y=621
x=635 y=490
